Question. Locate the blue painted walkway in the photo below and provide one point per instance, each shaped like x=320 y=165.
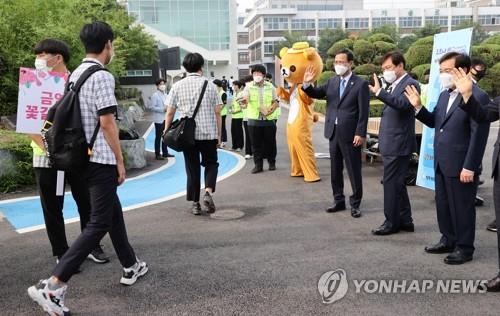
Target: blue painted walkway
x=162 y=184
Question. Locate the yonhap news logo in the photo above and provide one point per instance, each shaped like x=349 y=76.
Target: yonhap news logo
x=334 y=285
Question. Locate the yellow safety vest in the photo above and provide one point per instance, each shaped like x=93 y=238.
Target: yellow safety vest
x=236 y=110
x=253 y=112
x=224 y=106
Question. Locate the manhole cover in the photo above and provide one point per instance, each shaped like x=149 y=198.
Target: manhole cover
x=227 y=214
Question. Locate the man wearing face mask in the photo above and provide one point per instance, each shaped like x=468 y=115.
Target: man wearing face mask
x=158 y=108
x=348 y=101
x=459 y=144
x=261 y=100
x=396 y=143
x=104 y=172
x=52 y=55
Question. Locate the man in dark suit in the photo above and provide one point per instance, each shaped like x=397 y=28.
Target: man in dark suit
x=483 y=113
x=459 y=144
x=396 y=143
x=346 y=119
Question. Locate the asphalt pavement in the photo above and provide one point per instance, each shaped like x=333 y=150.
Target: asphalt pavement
x=269 y=261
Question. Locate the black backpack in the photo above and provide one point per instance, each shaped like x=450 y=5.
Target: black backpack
x=62 y=132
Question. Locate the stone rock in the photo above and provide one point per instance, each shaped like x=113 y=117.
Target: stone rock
x=136 y=111
x=134 y=153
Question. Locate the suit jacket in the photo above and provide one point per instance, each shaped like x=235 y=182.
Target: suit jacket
x=459 y=141
x=351 y=110
x=397 y=125
x=485 y=112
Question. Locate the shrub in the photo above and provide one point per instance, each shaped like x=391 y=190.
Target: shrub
x=428 y=40
x=18 y=145
x=367 y=69
x=345 y=43
x=323 y=78
x=381 y=37
x=495 y=39
x=490 y=53
x=418 y=55
x=381 y=48
x=420 y=69
x=490 y=82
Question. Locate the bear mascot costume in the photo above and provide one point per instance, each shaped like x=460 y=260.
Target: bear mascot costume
x=294 y=62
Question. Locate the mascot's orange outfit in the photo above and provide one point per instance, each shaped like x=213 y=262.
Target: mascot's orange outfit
x=294 y=62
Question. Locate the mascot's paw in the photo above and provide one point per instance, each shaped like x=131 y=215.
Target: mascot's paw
x=315 y=117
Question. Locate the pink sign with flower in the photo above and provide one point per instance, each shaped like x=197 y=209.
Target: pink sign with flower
x=38 y=91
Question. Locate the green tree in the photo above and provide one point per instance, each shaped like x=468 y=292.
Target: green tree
x=343 y=44
x=490 y=53
x=490 y=82
x=323 y=78
x=290 y=39
x=406 y=42
x=364 y=51
x=367 y=69
x=390 y=30
x=327 y=38
x=478 y=33
x=380 y=37
x=420 y=70
x=427 y=30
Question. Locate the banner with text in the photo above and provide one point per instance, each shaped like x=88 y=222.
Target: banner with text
x=457 y=41
x=38 y=91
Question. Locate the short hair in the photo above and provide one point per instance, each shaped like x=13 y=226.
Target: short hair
x=461 y=60
x=269 y=76
x=259 y=68
x=54 y=47
x=238 y=83
x=427 y=72
x=193 y=62
x=396 y=58
x=247 y=78
x=476 y=61
x=348 y=52
x=95 y=35
x=218 y=82
x=159 y=81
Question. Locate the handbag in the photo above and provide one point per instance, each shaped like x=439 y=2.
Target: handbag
x=180 y=134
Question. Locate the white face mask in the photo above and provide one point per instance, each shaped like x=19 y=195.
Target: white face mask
x=162 y=87
x=41 y=64
x=446 y=80
x=341 y=69
x=258 y=79
x=389 y=76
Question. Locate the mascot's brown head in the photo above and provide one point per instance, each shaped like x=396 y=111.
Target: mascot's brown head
x=295 y=60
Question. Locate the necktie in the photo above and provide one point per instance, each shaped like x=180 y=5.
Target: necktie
x=342 y=87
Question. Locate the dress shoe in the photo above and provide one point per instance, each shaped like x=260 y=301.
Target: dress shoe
x=355 y=212
x=272 y=166
x=168 y=156
x=457 y=257
x=196 y=208
x=438 y=248
x=479 y=201
x=257 y=169
x=337 y=207
x=492 y=227
x=384 y=230
x=158 y=157
x=407 y=227
x=493 y=285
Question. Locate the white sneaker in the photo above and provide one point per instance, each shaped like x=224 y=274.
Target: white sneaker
x=131 y=275
x=52 y=302
x=248 y=157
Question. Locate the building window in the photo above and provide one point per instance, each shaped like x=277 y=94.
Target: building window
x=329 y=23
x=275 y=23
x=243 y=58
x=303 y=24
x=356 y=23
x=139 y=73
x=269 y=47
x=379 y=21
x=457 y=19
x=319 y=7
x=410 y=21
x=242 y=38
x=440 y=20
x=241 y=20
x=489 y=19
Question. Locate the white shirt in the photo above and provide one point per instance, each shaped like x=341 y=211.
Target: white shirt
x=453 y=97
x=393 y=85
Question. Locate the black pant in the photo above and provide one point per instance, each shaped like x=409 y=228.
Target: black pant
x=456 y=211
x=340 y=152
x=52 y=205
x=263 y=143
x=106 y=215
x=223 y=129
x=159 y=127
x=248 y=139
x=397 y=207
x=496 y=198
x=208 y=151
x=237 y=133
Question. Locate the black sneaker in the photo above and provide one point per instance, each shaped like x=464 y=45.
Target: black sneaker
x=196 y=208
x=168 y=156
x=131 y=275
x=158 y=157
x=257 y=169
x=98 y=256
x=209 y=203
x=272 y=166
x=492 y=227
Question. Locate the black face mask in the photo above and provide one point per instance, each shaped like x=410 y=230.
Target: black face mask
x=480 y=74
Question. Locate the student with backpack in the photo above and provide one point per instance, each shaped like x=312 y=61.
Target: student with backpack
x=105 y=170
x=52 y=55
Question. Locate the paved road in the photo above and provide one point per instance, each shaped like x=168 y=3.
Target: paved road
x=266 y=263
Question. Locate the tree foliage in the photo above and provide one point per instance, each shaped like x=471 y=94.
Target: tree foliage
x=23 y=23
x=327 y=38
x=290 y=39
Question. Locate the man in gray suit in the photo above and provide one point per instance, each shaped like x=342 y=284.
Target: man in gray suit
x=396 y=143
x=348 y=101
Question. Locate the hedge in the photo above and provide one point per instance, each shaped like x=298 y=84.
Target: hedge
x=19 y=146
x=380 y=37
x=376 y=107
x=345 y=43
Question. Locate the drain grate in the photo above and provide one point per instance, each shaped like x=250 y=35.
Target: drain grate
x=227 y=214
